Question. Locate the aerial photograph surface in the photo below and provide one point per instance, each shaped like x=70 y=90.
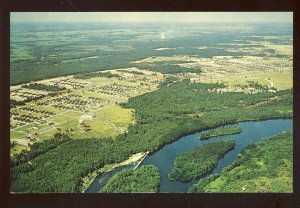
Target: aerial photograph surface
x=151 y=102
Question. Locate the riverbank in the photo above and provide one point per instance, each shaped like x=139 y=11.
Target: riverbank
x=164 y=158
x=200 y=129
x=87 y=180
x=252 y=132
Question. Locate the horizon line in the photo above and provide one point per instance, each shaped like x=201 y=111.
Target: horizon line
x=140 y=22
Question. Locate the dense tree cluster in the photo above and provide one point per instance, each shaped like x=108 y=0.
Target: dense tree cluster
x=39 y=148
x=266 y=166
x=14 y=103
x=258 y=86
x=61 y=169
x=200 y=160
x=189 y=106
x=89 y=75
x=143 y=180
x=167 y=67
x=29 y=70
x=131 y=72
x=168 y=80
x=40 y=86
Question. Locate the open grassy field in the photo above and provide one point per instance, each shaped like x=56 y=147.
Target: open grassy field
x=280 y=80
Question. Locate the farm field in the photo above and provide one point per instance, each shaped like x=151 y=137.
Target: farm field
x=88 y=99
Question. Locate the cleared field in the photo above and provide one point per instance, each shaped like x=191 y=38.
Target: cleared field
x=45 y=135
x=86 y=109
x=17 y=134
x=59 y=118
x=272 y=72
x=97 y=129
x=266 y=62
x=21 y=54
x=121 y=117
x=280 y=80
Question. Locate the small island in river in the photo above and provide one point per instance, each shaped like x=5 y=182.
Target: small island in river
x=200 y=160
x=221 y=132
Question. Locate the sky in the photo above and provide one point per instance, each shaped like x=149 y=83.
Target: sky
x=152 y=17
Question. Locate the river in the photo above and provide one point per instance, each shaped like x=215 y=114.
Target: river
x=252 y=132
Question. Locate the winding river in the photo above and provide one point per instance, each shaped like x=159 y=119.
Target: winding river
x=252 y=132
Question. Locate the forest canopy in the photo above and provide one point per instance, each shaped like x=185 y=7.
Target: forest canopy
x=145 y=179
